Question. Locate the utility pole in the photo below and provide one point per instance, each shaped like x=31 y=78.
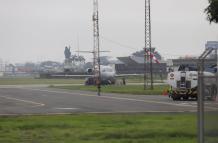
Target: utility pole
x=96 y=48
x=148 y=58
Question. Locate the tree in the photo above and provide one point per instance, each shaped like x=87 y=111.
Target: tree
x=212 y=11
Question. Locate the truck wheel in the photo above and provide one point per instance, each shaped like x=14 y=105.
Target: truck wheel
x=185 y=97
x=175 y=98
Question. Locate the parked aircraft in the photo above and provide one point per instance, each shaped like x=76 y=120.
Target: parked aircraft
x=108 y=75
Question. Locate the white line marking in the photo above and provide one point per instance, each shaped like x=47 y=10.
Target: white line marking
x=118 y=98
x=148 y=101
x=128 y=99
x=26 y=101
x=66 y=108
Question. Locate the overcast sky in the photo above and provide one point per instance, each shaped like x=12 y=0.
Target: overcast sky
x=37 y=30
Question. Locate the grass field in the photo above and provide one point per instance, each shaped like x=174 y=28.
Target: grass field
x=31 y=80
x=128 y=89
x=110 y=128
x=140 y=79
x=24 y=81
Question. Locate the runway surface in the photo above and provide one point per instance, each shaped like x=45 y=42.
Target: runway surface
x=40 y=100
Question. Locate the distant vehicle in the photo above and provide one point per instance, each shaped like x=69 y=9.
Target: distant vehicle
x=184 y=82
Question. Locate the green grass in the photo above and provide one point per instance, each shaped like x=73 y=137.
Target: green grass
x=24 y=81
x=128 y=89
x=133 y=128
x=31 y=80
x=140 y=79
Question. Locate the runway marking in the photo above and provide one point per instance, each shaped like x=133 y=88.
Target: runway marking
x=148 y=101
x=110 y=97
x=66 y=108
x=122 y=98
x=25 y=101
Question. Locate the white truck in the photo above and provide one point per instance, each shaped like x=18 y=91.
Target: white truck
x=183 y=84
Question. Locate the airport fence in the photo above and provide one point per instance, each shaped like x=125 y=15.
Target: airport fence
x=207 y=100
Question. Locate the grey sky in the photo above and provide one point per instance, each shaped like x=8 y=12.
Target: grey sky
x=37 y=30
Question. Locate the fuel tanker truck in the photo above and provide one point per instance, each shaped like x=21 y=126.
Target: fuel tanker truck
x=184 y=83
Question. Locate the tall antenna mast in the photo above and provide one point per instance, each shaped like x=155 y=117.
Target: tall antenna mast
x=148 y=58
x=96 y=48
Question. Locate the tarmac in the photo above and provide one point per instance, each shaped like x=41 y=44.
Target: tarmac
x=40 y=100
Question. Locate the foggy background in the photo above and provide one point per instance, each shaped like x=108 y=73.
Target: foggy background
x=38 y=30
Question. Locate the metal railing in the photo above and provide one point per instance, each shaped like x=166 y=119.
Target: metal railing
x=207 y=100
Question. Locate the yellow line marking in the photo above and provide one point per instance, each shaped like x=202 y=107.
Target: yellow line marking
x=25 y=101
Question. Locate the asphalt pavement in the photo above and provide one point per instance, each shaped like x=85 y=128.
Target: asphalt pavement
x=27 y=100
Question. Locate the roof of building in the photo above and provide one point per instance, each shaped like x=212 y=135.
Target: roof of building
x=127 y=60
x=134 y=60
x=139 y=60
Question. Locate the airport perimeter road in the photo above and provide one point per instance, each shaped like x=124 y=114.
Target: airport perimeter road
x=29 y=100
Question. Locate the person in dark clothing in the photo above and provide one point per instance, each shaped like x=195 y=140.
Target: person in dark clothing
x=124 y=80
